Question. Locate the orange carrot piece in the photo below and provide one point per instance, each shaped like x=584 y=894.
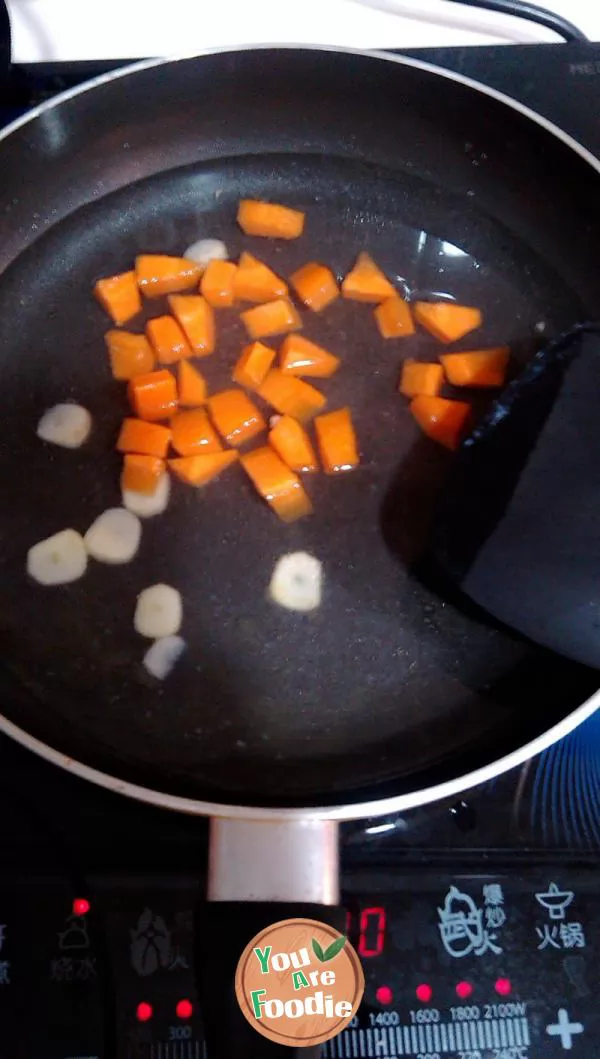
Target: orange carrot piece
x=394 y=318
x=235 y=416
x=337 y=441
x=147 y=439
x=168 y=340
x=253 y=365
x=141 y=474
x=290 y=441
x=256 y=282
x=447 y=321
x=291 y=396
x=298 y=356
x=193 y=433
x=158 y=274
x=153 y=396
x=366 y=282
x=191 y=385
x=217 y=283
x=198 y=470
x=197 y=319
x=418 y=378
x=120 y=296
x=481 y=367
x=269 y=220
x=443 y=421
x=272 y=318
x=277 y=484
x=130 y=355
x=315 y=285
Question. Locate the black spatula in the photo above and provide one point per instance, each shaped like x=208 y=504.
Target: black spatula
x=518 y=526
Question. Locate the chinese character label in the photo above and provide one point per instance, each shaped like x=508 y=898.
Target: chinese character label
x=62 y=970
x=572 y=936
x=493 y=895
x=179 y=960
x=559 y=934
x=549 y=937
x=461 y=926
x=69 y=969
x=493 y=899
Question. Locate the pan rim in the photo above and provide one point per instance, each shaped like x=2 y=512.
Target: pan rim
x=343 y=811
x=388 y=806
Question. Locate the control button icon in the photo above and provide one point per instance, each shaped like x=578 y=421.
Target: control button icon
x=565 y=1029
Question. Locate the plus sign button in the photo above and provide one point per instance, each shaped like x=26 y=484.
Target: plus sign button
x=564 y=1029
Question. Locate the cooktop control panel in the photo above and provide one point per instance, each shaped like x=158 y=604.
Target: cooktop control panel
x=489 y=967
x=456 y=967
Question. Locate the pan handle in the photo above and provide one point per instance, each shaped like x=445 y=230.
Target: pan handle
x=260 y=872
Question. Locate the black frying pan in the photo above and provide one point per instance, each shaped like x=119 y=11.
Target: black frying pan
x=389 y=690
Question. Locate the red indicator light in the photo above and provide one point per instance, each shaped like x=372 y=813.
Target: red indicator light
x=464 y=990
x=384 y=995
x=143 y=1012
x=184 y=1009
x=81 y=906
x=504 y=986
x=424 y=993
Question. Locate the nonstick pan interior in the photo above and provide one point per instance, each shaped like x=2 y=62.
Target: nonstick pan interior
x=387 y=683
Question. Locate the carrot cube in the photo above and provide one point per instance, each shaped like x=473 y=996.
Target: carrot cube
x=394 y=319
x=269 y=220
x=277 y=484
x=217 y=283
x=253 y=365
x=191 y=385
x=168 y=340
x=256 y=282
x=272 y=318
x=141 y=474
x=298 y=356
x=315 y=285
x=290 y=441
x=198 y=470
x=337 y=441
x=418 y=378
x=291 y=396
x=447 y=321
x=147 y=439
x=235 y=416
x=443 y=421
x=481 y=367
x=197 y=319
x=119 y=296
x=158 y=274
x=366 y=282
x=130 y=354
x=154 y=395
x=193 y=433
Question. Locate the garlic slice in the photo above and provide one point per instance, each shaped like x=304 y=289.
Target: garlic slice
x=296 y=582
x=58 y=560
x=114 y=537
x=158 y=612
x=163 y=655
x=67 y=425
x=146 y=506
x=205 y=250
